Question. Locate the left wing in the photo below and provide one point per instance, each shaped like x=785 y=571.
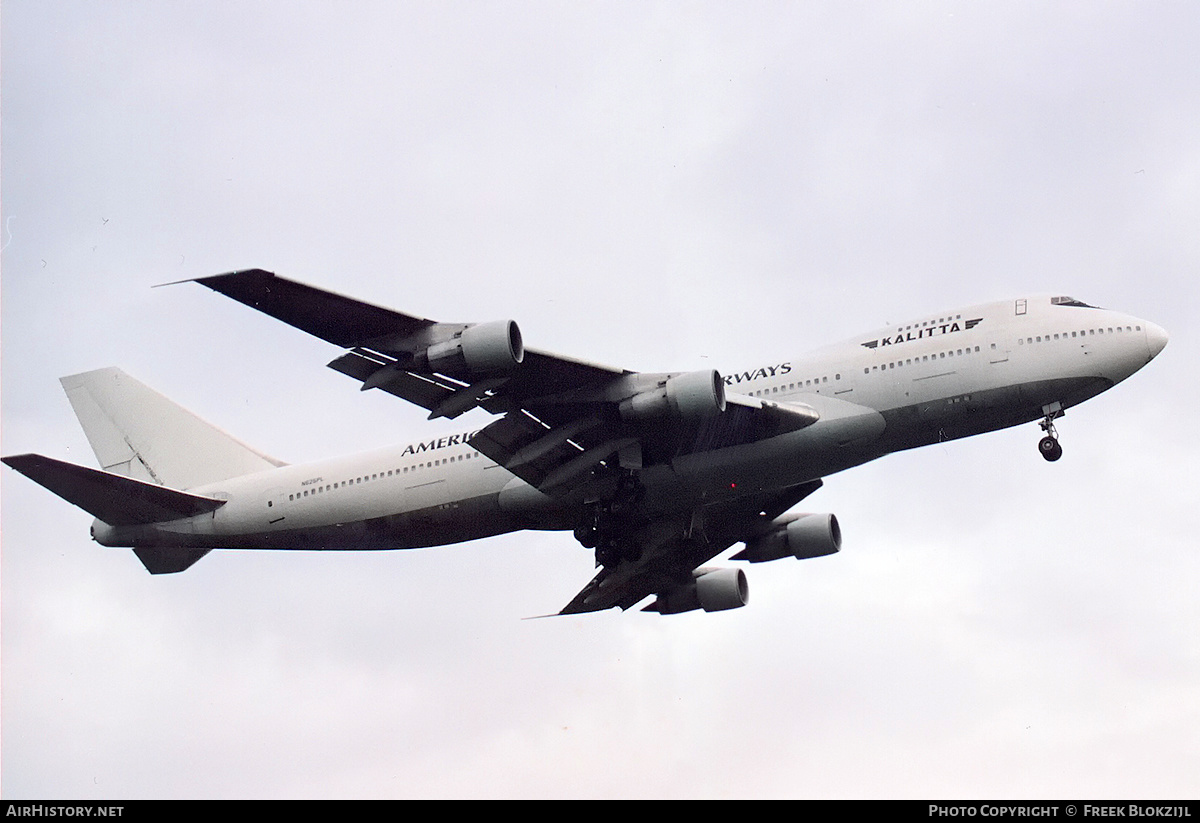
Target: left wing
x=560 y=418
x=422 y=361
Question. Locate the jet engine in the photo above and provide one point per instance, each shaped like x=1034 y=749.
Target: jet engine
x=798 y=535
x=688 y=396
x=485 y=348
x=713 y=590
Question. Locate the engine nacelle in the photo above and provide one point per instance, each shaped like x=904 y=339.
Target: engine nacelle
x=689 y=396
x=799 y=535
x=485 y=348
x=713 y=590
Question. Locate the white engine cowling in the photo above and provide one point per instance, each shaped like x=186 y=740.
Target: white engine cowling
x=485 y=348
x=713 y=590
x=800 y=535
x=689 y=396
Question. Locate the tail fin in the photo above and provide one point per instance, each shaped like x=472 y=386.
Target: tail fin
x=138 y=433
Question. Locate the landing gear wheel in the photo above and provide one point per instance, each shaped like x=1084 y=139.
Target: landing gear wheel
x=610 y=522
x=1048 y=446
x=614 y=549
x=587 y=536
x=607 y=554
x=1050 y=449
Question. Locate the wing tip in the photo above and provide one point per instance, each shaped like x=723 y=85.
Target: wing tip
x=210 y=279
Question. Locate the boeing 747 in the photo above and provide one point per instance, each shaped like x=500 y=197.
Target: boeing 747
x=657 y=473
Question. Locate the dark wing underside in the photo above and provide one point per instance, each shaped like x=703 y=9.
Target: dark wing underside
x=538 y=437
x=668 y=562
x=340 y=320
x=382 y=344
x=557 y=415
x=559 y=426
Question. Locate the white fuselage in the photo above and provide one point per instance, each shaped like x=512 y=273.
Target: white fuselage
x=941 y=377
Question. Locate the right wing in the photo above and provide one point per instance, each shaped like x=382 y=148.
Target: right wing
x=669 y=552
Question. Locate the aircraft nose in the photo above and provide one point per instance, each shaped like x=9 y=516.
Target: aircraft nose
x=1156 y=339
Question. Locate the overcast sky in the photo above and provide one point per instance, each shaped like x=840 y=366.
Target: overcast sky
x=657 y=186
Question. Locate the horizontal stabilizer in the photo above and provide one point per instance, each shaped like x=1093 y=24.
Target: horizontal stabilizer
x=117 y=500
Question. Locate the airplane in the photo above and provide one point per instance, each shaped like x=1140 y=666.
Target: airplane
x=657 y=473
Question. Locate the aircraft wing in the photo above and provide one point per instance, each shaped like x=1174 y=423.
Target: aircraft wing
x=669 y=555
x=560 y=419
x=385 y=346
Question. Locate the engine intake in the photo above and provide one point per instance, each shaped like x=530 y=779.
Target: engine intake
x=713 y=590
x=798 y=535
x=688 y=396
x=485 y=348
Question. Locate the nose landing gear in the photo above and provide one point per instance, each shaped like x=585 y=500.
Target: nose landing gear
x=1048 y=445
x=1050 y=448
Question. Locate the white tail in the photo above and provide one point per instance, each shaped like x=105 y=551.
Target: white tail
x=138 y=433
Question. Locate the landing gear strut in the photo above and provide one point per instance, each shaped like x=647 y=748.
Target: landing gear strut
x=607 y=528
x=1048 y=445
x=612 y=542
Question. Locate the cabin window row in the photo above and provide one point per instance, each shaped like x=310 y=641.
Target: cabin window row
x=925 y=358
x=367 y=478
x=938 y=322
x=1045 y=338
x=799 y=385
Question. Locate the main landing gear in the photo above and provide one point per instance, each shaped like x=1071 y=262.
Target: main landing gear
x=1048 y=445
x=610 y=538
x=607 y=528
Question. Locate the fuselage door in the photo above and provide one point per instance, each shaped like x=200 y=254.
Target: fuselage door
x=273 y=505
x=218 y=496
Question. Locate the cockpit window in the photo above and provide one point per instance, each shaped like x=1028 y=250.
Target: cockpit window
x=1070 y=301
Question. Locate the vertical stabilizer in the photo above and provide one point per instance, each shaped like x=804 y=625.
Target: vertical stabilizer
x=138 y=433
